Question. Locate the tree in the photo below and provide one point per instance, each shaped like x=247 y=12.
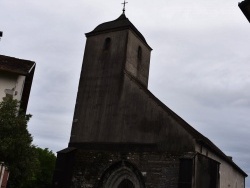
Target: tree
x=16 y=149
x=29 y=166
x=43 y=175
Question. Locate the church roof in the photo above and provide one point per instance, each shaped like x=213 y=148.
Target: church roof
x=120 y=23
x=15 y=65
x=195 y=134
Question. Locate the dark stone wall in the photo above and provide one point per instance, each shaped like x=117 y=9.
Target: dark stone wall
x=157 y=169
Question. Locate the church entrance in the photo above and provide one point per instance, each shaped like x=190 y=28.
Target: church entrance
x=122 y=174
x=126 y=184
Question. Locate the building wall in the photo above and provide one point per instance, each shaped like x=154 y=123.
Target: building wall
x=99 y=87
x=19 y=87
x=7 y=81
x=138 y=64
x=12 y=82
x=157 y=169
x=229 y=176
x=144 y=120
x=134 y=118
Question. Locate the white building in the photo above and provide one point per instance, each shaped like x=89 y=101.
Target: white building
x=16 y=77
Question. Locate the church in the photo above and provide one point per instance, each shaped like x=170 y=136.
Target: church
x=123 y=136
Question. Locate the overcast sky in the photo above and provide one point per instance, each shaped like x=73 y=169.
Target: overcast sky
x=199 y=65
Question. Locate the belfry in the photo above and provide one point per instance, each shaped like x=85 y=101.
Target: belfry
x=123 y=136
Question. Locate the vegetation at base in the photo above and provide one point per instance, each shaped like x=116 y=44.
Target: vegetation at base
x=29 y=166
x=42 y=177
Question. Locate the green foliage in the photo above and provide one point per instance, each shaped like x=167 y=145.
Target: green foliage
x=46 y=163
x=15 y=142
x=29 y=166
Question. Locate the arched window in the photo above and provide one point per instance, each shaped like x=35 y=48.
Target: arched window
x=126 y=184
x=139 y=53
x=107 y=43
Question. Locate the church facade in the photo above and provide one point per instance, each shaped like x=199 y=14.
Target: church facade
x=124 y=137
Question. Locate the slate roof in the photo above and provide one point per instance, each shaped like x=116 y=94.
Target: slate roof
x=15 y=65
x=120 y=23
x=201 y=139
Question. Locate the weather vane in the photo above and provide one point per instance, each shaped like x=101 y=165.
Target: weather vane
x=124 y=6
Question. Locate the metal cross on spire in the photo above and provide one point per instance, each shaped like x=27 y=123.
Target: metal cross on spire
x=124 y=6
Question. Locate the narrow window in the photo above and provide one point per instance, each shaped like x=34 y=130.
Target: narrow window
x=107 y=43
x=139 y=53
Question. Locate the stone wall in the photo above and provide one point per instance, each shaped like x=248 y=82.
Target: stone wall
x=155 y=169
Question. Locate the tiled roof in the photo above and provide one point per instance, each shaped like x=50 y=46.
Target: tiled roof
x=15 y=65
x=120 y=23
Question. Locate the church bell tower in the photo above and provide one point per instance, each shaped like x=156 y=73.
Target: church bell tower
x=115 y=53
x=113 y=50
